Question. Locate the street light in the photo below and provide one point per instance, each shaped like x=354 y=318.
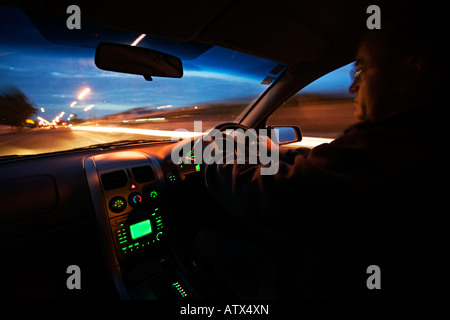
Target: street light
x=84 y=93
x=89 y=107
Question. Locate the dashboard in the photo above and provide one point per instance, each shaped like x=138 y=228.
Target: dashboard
x=104 y=210
x=126 y=190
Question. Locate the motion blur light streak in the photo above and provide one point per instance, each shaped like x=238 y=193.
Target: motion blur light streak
x=165 y=107
x=309 y=142
x=43 y=120
x=142 y=36
x=147 y=132
x=148 y=119
x=83 y=93
x=306 y=141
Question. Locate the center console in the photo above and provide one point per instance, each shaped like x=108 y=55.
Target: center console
x=127 y=189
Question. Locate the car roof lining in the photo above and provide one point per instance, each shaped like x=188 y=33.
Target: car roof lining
x=290 y=32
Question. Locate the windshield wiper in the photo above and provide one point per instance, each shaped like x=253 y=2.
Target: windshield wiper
x=12 y=156
x=116 y=143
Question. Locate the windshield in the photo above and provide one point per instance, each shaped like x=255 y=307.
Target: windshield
x=54 y=98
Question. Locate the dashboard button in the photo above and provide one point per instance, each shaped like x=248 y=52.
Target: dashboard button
x=117 y=204
x=135 y=199
x=172 y=178
x=133 y=186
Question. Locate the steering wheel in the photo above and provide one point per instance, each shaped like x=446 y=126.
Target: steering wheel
x=227 y=125
x=229 y=133
x=178 y=244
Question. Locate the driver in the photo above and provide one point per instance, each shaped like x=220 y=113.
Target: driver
x=375 y=196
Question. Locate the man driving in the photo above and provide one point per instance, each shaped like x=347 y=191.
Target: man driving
x=375 y=196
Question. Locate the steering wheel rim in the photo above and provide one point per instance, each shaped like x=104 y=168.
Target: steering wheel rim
x=180 y=257
x=229 y=125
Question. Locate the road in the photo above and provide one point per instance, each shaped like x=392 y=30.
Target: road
x=316 y=120
x=42 y=140
x=49 y=140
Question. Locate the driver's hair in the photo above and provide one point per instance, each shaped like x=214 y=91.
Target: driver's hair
x=415 y=30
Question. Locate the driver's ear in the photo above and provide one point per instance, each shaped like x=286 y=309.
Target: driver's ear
x=411 y=74
x=415 y=67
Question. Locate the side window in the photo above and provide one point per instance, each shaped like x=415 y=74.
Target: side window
x=323 y=109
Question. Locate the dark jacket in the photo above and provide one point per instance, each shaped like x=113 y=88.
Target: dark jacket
x=377 y=195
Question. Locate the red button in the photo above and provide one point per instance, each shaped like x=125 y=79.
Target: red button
x=133 y=186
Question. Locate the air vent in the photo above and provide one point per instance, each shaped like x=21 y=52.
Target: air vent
x=114 y=180
x=143 y=174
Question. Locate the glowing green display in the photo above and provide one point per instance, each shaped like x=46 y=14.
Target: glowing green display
x=140 y=229
x=153 y=194
x=118 y=204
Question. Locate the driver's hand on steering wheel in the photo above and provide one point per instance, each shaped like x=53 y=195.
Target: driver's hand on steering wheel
x=236 y=145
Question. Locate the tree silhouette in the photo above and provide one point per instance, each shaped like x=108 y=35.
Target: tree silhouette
x=15 y=107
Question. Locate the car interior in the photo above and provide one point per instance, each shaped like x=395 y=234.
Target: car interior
x=126 y=215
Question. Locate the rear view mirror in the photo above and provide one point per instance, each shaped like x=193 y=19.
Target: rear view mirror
x=137 y=60
x=287 y=134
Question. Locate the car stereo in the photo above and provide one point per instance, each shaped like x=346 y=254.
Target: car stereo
x=138 y=231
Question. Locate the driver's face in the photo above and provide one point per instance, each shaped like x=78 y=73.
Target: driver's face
x=373 y=88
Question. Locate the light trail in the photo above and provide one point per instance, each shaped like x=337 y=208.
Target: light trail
x=309 y=142
x=43 y=120
x=135 y=42
x=164 y=107
x=147 y=132
x=83 y=93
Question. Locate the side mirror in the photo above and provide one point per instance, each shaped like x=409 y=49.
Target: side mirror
x=137 y=60
x=287 y=134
